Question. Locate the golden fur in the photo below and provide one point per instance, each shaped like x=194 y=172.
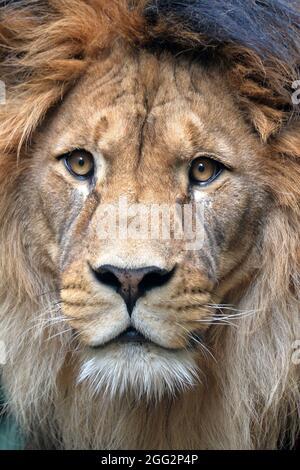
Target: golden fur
x=90 y=74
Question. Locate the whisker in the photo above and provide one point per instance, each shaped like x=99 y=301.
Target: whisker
x=60 y=333
x=42 y=294
x=190 y=335
x=216 y=321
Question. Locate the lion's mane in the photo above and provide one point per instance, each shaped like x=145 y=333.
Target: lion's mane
x=252 y=399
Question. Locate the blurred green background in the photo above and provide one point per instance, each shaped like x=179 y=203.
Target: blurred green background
x=10 y=437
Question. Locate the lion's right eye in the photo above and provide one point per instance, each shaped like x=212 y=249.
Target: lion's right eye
x=80 y=163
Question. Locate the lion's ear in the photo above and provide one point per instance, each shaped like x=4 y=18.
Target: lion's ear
x=264 y=90
x=267 y=121
x=284 y=168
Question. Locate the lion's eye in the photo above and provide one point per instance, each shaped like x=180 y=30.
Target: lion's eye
x=80 y=163
x=204 y=170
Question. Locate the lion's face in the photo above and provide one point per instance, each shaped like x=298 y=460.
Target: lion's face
x=151 y=130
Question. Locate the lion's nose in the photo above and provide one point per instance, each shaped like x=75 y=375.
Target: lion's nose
x=131 y=284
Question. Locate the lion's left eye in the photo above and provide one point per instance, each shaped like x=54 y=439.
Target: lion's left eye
x=80 y=163
x=204 y=170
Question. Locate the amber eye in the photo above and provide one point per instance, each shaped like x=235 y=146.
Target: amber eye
x=204 y=170
x=80 y=163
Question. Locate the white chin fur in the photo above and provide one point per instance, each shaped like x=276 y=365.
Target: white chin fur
x=147 y=371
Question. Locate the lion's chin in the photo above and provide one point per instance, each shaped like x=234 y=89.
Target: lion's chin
x=145 y=371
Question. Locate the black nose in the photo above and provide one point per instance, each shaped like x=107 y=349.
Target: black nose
x=131 y=284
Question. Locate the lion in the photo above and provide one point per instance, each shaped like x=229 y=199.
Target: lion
x=150 y=342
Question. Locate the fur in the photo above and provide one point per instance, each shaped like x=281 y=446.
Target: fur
x=251 y=392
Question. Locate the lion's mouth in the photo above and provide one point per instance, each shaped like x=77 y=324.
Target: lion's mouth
x=130 y=335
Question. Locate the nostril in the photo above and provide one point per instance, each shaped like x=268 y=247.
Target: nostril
x=107 y=277
x=155 y=278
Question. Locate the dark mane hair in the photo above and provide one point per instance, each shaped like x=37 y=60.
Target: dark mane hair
x=270 y=28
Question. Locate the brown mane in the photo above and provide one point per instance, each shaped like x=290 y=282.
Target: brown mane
x=45 y=47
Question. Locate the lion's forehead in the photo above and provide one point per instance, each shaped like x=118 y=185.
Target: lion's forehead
x=137 y=103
